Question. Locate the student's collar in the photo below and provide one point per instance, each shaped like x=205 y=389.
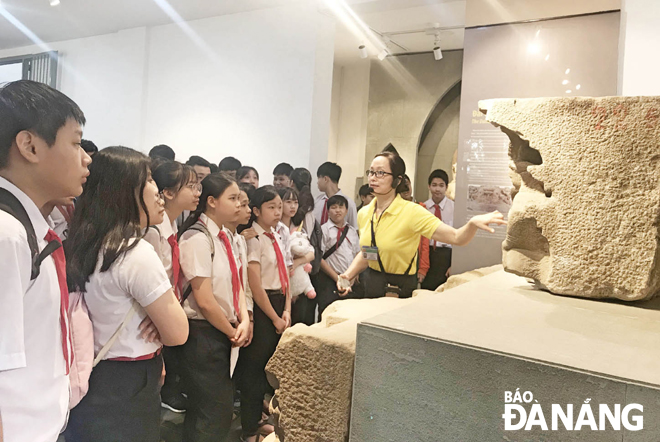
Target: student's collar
x=332 y=224
x=40 y=224
x=260 y=230
x=167 y=227
x=213 y=228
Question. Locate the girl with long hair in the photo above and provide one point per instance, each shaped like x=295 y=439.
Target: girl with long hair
x=123 y=282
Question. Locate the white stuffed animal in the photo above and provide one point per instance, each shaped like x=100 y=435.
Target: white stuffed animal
x=300 y=281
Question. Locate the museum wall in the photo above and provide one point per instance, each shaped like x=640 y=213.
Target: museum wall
x=561 y=57
x=257 y=82
x=639 y=43
x=403 y=91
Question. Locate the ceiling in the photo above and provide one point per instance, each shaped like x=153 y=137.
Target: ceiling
x=85 y=18
x=394 y=19
x=408 y=24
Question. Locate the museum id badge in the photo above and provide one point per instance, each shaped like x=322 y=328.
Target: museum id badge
x=370 y=253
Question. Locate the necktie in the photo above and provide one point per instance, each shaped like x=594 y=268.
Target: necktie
x=438 y=214
x=60 y=266
x=176 y=266
x=324 y=215
x=281 y=266
x=339 y=233
x=235 y=279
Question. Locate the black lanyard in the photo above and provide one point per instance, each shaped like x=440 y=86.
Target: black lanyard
x=373 y=243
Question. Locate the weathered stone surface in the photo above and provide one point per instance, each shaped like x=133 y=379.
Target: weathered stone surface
x=312 y=372
x=584 y=220
x=462 y=278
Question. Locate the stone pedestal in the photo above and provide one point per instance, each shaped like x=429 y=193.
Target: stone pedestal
x=438 y=369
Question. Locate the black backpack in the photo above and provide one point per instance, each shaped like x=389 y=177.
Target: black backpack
x=10 y=204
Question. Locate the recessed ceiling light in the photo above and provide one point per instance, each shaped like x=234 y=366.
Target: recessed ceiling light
x=54 y=2
x=578 y=87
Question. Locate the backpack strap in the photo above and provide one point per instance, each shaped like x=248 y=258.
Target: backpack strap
x=10 y=204
x=115 y=335
x=334 y=248
x=200 y=228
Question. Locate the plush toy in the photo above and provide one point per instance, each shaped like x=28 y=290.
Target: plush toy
x=300 y=281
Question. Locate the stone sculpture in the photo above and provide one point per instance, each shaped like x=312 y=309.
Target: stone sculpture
x=312 y=372
x=585 y=216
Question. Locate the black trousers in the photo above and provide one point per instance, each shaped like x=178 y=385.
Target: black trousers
x=252 y=363
x=303 y=309
x=439 y=263
x=375 y=283
x=171 y=358
x=122 y=405
x=205 y=361
x=326 y=292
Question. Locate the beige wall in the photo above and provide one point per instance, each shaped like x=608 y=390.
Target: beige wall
x=485 y=12
x=350 y=99
x=402 y=93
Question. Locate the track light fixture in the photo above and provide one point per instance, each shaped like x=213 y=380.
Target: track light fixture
x=363 y=51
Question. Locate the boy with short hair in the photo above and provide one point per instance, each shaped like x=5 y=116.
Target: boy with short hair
x=434 y=269
x=41 y=160
x=229 y=165
x=282 y=175
x=340 y=245
x=366 y=194
x=328 y=175
x=201 y=166
x=162 y=151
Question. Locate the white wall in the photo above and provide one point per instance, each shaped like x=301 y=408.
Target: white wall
x=639 y=40
x=258 y=88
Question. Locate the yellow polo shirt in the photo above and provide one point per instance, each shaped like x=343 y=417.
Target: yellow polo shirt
x=398 y=233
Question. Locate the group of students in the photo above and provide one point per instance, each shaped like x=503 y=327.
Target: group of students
x=175 y=262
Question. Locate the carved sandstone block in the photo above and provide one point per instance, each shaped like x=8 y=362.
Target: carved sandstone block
x=312 y=372
x=585 y=215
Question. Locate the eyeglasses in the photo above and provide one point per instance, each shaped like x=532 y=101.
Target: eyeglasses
x=377 y=173
x=195 y=187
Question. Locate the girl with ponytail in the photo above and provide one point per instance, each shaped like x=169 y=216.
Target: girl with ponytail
x=216 y=308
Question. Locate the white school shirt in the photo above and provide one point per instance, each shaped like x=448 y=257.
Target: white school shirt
x=342 y=258
x=351 y=214
x=447 y=213
x=137 y=274
x=34 y=387
x=158 y=238
x=285 y=236
x=196 y=262
x=261 y=250
x=240 y=247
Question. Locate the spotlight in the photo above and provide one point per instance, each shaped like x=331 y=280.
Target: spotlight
x=363 y=51
x=437 y=53
x=383 y=54
x=54 y=2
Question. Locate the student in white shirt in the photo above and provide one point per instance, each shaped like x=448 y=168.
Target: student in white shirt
x=328 y=175
x=119 y=274
x=336 y=259
x=434 y=269
x=269 y=281
x=40 y=160
x=177 y=183
x=216 y=309
x=240 y=245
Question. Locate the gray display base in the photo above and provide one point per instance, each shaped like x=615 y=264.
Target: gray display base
x=438 y=369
